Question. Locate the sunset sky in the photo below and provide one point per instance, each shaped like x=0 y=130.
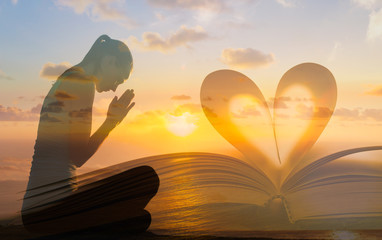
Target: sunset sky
x=175 y=44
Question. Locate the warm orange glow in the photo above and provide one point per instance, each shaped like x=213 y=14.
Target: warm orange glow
x=182 y=125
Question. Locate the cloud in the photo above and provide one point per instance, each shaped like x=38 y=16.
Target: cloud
x=155 y=119
x=180 y=121
x=374 y=30
x=181 y=38
x=14 y=168
x=149 y=119
x=180 y=97
x=284 y=98
x=368 y=4
x=377 y=91
x=286 y=3
x=53 y=107
x=358 y=114
x=247 y=111
x=38 y=98
x=310 y=112
x=208 y=98
x=374 y=114
x=17 y=114
x=322 y=112
x=4 y=76
x=189 y=107
x=333 y=54
x=246 y=58
x=281 y=102
x=84 y=113
x=100 y=10
x=36 y=109
x=63 y=95
x=160 y=16
x=46 y=118
x=347 y=114
x=53 y=71
x=209 y=5
x=181 y=125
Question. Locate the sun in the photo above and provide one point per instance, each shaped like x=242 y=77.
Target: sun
x=182 y=125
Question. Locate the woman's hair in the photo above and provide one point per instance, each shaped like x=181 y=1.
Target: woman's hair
x=105 y=46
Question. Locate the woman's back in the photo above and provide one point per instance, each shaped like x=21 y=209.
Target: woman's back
x=65 y=116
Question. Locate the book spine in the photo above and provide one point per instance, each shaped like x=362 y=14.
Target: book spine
x=285 y=204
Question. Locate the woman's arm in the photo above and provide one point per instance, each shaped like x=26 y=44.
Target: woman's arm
x=117 y=111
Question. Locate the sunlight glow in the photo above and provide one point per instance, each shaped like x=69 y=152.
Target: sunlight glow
x=182 y=125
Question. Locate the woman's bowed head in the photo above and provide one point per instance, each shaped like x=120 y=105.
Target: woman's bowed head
x=109 y=63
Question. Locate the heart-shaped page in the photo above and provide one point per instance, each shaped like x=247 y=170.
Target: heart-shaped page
x=308 y=115
x=236 y=108
x=228 y=99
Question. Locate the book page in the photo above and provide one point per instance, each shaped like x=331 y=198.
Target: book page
x=336 y=187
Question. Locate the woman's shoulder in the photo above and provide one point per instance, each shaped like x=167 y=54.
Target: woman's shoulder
x=76 y=74
x=73 y=85
x=75 y=78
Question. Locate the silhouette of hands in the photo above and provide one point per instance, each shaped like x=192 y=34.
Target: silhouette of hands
x=119 y=108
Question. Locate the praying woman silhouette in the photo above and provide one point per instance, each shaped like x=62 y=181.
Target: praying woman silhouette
x=55 y=202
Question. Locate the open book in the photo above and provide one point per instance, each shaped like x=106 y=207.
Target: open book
x=314 y=189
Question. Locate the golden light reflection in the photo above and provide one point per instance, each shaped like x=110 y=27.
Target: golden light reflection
x=179 y=192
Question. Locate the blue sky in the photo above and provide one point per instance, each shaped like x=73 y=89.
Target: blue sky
x=37 y=32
